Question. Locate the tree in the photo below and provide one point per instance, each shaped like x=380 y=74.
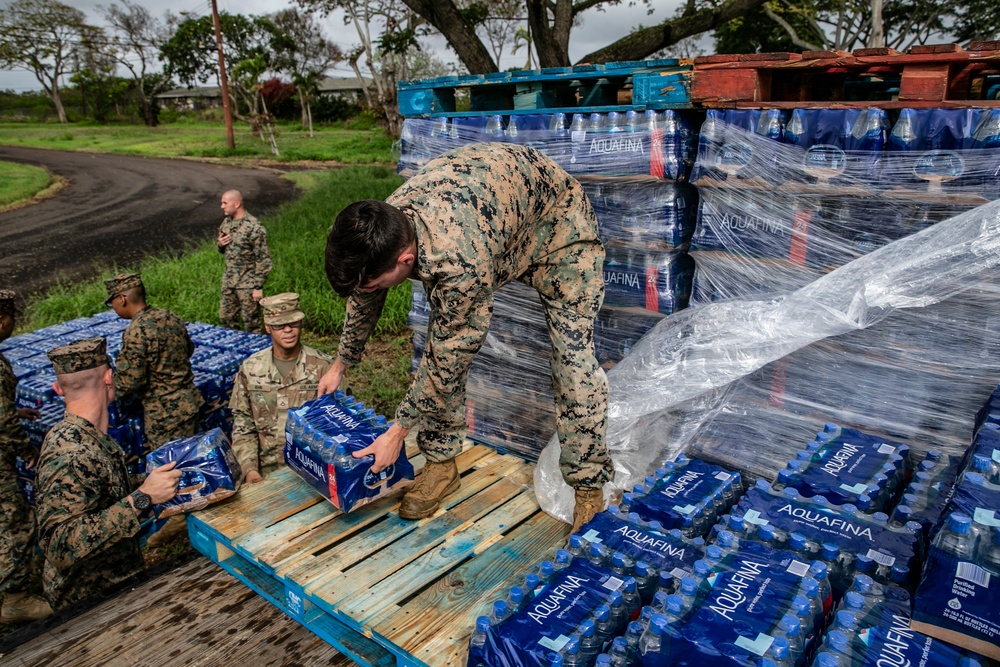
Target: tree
x=389 y=57
x=551 y=21
x=41 y=36
x=136 y=38
x=191 y=55
x=94 y=66
x=305 y=55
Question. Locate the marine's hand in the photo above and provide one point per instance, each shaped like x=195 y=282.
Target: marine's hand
x=253 y=477
x=28 y=413
x=385 y=448
x=223 y=240
x=161 y=484
x=332 y=378
x=257 y=294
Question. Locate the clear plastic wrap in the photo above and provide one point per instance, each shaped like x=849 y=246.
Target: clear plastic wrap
x=900 y=341
x=657 y=143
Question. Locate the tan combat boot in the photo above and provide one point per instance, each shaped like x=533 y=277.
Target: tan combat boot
x=21 y=607
x=171 y=530
x=435 y=482
x=588 y=503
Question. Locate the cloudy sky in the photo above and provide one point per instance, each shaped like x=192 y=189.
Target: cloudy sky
x=597 y=30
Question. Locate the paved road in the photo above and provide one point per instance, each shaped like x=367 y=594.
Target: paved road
x=117 y=209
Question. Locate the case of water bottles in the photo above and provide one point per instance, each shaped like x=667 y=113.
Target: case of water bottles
x=958 y=592
x=321 y=437
x=209 y=471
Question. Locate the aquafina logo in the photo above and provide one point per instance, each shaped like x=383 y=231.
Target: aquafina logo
x=732 y=158
x=825 y=161
x=939 y=166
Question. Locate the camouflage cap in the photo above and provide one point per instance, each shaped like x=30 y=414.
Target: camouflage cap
x=81 y=355
x=281 y=309
x=8 y=303
x=123 y=282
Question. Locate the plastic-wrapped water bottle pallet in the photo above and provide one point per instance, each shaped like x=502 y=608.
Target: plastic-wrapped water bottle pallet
x=380 y=589
x=653 y=84
x=942 y=75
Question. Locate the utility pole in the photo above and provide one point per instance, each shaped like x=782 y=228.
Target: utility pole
x=226 y=112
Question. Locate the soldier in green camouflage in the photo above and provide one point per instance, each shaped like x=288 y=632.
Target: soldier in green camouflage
x=469 y=222
x=17 y=521
x=155 y=362
x=270 y=383
x=88 y=507
x=243 y=241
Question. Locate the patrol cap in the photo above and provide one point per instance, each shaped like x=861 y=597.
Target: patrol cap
x=81 y=355
x=8 y=304
x=123 y=282
x=281 y=309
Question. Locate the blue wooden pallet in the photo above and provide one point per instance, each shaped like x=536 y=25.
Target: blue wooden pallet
x=653 y=84
x=382 y=590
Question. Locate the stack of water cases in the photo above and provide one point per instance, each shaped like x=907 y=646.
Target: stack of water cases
x=787 y=197
x=633 y=166
x=958 y=593
x=217 y=357
x=688 y=570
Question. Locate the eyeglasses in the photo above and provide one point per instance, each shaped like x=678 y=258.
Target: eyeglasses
x=287 y=325
x=111 y=299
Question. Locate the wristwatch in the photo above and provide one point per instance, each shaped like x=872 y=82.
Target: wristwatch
x=141 y=500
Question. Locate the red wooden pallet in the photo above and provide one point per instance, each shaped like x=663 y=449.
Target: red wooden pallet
x=939 y=75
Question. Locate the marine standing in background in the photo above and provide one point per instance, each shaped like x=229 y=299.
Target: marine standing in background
x=271 y=382
x=155 y=363
x=17 y=521
x=88 y=507
x=243 y=241
x=468 y=223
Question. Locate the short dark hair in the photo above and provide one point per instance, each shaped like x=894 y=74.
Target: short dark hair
x=365 y=241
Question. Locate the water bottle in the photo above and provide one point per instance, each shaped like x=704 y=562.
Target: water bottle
x=809 y=588
x=603 y=660
x=631 y=597
x=494 y=129
x=604 y=625
x=619 y=613
x=900 y=517
x=546 y=572
x=633 y=633
x=598 y=554
x=827 y=659
x=665 y=582
x=531 y=584
x=659 y=602
x=837 y=643
x=478 y=638
x=555 y=659
x=990 y=553
x=689 y=592
x=571 y=654
x=955 y=539
x=562 y=560
x=619 y=652
x=645 y=580
x=651 y=643
x=674 y=609
x=343 y=459
x=819 y=571
x=516 y=599
x=499 y=613
x=790 y=628
x=590 y=643
x=621 y=564
x=779 y=654
x=727 y=542
x=577 y=547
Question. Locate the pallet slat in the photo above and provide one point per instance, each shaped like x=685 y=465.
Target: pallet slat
x=362 y=581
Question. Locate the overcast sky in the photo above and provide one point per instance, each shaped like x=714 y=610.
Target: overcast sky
x=598 y=29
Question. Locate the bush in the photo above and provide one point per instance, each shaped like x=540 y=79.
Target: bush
x=332 y=109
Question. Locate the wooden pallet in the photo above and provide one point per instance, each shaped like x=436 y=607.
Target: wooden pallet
x=380 y=589
x=942 y=75
x=653 y=84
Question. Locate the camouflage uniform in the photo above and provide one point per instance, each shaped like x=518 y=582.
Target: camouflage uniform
x=155 y=363
x=87 y=529
x=17 y=523
x=248 y=262
x=486 y=215
x=260 y=403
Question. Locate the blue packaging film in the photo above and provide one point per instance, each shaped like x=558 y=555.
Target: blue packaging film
x=332 y=421
x=545 y=625
x=209 y=471
x=839 y=142
x=662 y=551
x=683 y=496
x=656 y=282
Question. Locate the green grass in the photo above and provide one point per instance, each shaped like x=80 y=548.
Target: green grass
x=204 y=139
x=19 y=183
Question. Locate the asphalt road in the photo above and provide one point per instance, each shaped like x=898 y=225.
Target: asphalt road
x=118 y=209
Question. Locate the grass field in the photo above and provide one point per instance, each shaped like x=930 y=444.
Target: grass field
x=19 y=183
x=204 y=139
x=188 y=283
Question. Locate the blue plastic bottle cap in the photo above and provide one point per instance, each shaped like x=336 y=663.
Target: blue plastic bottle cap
x=658 y=623
x=959 y=523
x=586 y=628
x=562 y=556
x=762 y=485
x=516 y=594
x=500 y=608
x=603 y=660
x=714 y=552
x=642 y=568
x=659 y=599
x=854 y=601
x=618 y=559
x=797 y=541
x=830 y=551
x=845 y=619
x=689 y=585
x=862 y=582
x=555 y=659
x=837 y=641
x=675 y=603
x=825 y=659
x=829 y=427
x=575 y=541
x=482 y=623
x=818 y=569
